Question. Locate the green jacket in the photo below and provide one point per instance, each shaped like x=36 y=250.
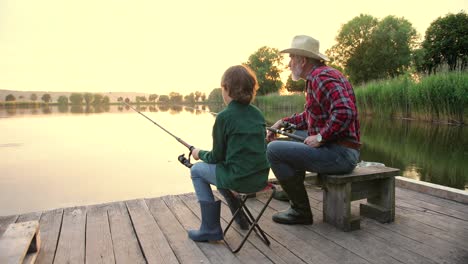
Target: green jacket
x=239 y=149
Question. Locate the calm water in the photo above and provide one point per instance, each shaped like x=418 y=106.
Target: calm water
x=51 y=158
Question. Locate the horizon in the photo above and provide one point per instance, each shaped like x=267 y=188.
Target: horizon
x=158 y=48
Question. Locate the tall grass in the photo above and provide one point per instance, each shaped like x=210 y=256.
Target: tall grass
x=438 y=98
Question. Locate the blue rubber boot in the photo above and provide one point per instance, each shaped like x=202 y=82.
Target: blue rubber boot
x=210 y=228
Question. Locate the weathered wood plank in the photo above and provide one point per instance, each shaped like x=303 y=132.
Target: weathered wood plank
x=363 y=174
x=5 y=221
x=71 y=244
x=184 y=248
x=99 y=248
x=35 y=216
x=405 y=193
x=20 y=242
x=216 y=252
x=248 y=254
x=359 y=242
x=276 y=252
x=126 y=246
x=49 y=227
x=156 y=248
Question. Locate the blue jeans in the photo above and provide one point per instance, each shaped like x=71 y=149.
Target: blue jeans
x=203 y=175
x=287 y=157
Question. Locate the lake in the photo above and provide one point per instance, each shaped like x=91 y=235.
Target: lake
x=60 y=157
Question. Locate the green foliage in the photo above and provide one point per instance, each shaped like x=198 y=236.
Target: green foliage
x=62 y=100
x=33 y=97
x=190 y=98
x=215 y=96
x=369 y=49
x=267 y=64
x=98 y=99
x=164 y=98
x=441 y=97
x=105 y=100
x=446 y=42
x=295 y=86
x=10 y=98
x=88 y=98
x=175 y=97
x=46 y=98
x=153 y=97
x=76 y=98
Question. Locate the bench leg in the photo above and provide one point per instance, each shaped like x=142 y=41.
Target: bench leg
x=382 y=206
x=337 y=207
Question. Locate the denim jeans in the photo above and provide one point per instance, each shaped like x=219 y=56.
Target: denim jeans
x=286 y=157
x=203 y=175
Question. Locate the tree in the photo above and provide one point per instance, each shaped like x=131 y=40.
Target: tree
x=446 y=41
x=98 y=99
x=46 y=98
x=62 y=100
x=164 y=98
x=175 y=97
x=105 y=100
x=369 y=49
x=153 y=97
x=10 y=98
x=267 y=64
x=295 y=86
x=190 y=98
x=76 y=98
x=88 y=98
x=216 y=96
x=120 y=99
x=33 y=97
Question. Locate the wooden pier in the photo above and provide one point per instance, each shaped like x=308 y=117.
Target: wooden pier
x=426 y=230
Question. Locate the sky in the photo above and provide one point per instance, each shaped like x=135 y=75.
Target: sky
x=162 y=46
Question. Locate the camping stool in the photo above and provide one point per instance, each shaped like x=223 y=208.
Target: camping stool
x=253 y=222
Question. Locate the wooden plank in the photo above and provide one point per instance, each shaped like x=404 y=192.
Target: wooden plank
x=35 y=216
x=402 y=192
x=156 y=248
x=5 y=221
x=126 y=246
x=18 y=241
x=276 y=252
x=216 y=252
x=49 y=226
x=99 y=248
x=248 y=253
x=184 y=248
x=363 y=174
x=426 y=248
x=408 y=226
x=358 y=242
x=301 y=241
x=71 y=244
x=436 y=208
x=432 y=189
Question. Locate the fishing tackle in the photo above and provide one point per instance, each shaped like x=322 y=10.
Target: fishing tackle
x=181 y=158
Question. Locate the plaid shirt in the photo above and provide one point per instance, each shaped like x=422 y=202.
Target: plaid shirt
x=330 y=107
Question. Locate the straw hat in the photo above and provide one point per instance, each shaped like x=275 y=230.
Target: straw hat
x=305 y=46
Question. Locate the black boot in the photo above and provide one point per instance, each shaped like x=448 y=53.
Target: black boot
x=282 y=195
x=234 y=203
x=210 y=228
x=299 y=211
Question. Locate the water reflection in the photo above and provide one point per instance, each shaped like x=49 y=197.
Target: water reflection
x=91 y=156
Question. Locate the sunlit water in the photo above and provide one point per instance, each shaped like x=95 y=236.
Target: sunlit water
x=56 y=160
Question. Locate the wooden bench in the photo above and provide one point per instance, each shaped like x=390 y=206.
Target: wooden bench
x=20 y=243
x=377 y=184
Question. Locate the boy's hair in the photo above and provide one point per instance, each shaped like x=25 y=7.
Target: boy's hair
x=241 y=83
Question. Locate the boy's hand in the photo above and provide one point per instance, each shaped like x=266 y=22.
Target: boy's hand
x=195 y=152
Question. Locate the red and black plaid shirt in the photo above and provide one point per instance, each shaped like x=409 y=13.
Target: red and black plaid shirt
x=330 y=107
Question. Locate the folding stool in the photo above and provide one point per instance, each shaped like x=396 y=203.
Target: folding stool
x=253 y=222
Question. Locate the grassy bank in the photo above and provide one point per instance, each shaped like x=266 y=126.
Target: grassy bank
x=437 y=98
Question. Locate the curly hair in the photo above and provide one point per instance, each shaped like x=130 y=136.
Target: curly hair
x=241 y=83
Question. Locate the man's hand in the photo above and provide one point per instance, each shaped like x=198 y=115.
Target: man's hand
x=271 y=136
x=312 y=141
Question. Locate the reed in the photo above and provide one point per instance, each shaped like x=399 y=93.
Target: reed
x=438 y=98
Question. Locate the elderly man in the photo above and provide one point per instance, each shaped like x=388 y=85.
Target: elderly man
x=330 y=118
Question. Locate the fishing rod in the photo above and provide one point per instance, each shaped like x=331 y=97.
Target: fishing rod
x=285 y=133
x=181 y=158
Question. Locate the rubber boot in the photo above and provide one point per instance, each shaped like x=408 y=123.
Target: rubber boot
x=299 y=211
x=282 y=195
x=210 y=228
x=234 y=203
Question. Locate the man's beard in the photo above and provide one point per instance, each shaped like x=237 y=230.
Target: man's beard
x=296 y=72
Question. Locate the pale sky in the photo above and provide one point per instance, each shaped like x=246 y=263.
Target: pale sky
x=156 y=46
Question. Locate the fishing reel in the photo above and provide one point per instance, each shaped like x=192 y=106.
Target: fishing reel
x=184 y=161
x=288 y=127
